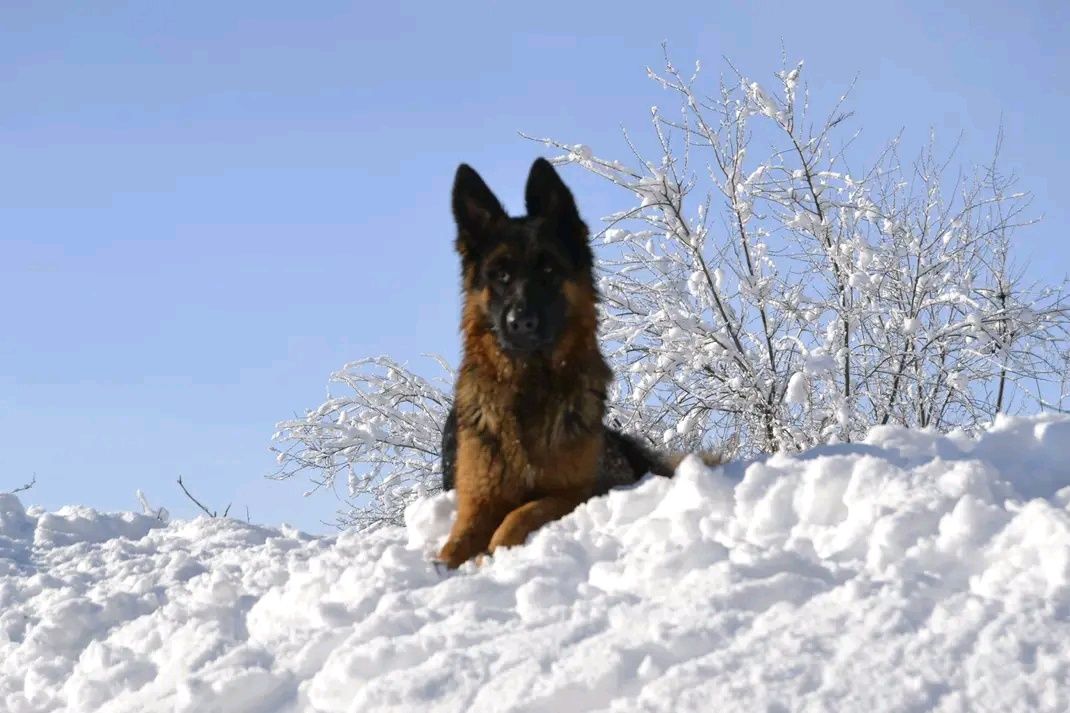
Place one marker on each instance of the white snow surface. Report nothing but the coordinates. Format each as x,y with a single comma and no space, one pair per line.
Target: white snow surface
911,572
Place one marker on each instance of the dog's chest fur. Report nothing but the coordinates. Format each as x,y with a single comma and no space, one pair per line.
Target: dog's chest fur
538,428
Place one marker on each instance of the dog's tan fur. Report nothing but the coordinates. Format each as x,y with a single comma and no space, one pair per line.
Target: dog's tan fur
529,436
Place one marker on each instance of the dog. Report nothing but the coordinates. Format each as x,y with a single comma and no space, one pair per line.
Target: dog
525,442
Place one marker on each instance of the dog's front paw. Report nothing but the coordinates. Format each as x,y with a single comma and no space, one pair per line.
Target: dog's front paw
455,553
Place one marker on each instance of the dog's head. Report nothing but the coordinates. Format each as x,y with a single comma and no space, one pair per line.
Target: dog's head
529,278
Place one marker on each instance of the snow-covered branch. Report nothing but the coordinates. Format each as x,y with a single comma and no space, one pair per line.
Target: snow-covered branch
382,434
778,299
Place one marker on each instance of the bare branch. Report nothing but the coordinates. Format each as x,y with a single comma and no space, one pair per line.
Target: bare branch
197,502
25,486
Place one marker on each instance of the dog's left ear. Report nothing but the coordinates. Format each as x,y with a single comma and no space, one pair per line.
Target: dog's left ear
547,196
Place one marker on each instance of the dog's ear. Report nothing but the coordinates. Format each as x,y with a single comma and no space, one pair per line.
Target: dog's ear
547,196
475,208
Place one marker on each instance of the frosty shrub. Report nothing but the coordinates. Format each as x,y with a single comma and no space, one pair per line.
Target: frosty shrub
758,295
382,435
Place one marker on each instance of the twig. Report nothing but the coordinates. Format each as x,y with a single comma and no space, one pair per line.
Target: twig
26,486
199,504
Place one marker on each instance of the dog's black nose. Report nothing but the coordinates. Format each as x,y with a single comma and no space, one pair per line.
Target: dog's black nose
521,322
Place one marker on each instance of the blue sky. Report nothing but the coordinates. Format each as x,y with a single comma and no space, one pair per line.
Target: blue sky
205,208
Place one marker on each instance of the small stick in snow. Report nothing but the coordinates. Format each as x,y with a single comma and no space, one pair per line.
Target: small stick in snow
25,487
199,504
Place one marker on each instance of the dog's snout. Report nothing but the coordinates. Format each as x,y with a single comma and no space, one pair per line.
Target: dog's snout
521,321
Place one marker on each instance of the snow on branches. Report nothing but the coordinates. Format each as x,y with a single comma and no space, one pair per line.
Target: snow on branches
758,301
382,436
780,300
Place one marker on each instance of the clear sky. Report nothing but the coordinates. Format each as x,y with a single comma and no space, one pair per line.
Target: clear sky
205,208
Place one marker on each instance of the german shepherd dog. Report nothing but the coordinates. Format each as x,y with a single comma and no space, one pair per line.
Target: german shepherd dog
524,443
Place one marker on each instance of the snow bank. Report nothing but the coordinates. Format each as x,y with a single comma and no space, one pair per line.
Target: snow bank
911,572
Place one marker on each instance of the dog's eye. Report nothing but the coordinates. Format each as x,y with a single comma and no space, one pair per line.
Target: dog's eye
548,269
501,275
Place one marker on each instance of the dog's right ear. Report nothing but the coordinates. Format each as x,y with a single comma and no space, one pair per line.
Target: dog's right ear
475,208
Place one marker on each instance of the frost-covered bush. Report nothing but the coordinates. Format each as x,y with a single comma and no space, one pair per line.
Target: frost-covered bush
382,435
759,294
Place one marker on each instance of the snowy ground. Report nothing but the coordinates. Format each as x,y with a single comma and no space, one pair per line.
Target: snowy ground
909,573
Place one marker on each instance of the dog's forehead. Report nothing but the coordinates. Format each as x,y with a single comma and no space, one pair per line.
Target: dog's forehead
524,231
525,238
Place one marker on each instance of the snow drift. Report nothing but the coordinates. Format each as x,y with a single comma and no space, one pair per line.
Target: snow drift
910,572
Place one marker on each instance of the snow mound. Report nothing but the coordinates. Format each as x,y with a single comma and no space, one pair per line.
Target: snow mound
910,572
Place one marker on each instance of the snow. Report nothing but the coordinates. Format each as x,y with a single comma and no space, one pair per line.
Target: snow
909,572
797,388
